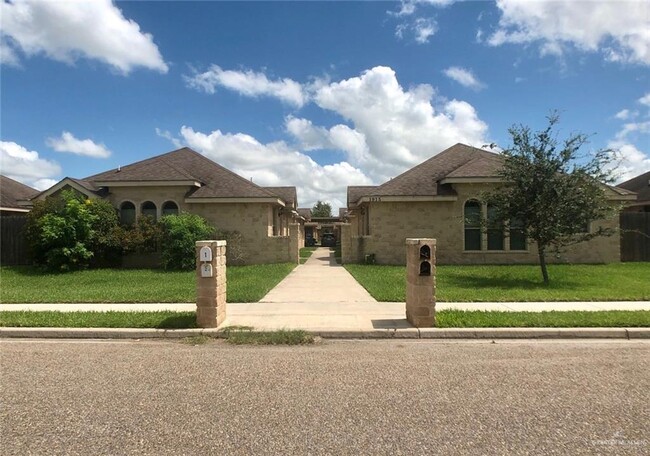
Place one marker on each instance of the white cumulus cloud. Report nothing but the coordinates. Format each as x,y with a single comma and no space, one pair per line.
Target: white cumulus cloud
400,127
464,77
645,99
384,129
86,147
248,83
67,30
26,166
276,164
620,30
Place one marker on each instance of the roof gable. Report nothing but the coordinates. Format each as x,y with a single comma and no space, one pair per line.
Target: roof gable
423,179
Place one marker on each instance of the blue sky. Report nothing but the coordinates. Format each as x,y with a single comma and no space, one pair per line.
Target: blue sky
319,95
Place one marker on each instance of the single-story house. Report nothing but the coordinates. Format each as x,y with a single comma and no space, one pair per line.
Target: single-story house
435,199
641,186
185,181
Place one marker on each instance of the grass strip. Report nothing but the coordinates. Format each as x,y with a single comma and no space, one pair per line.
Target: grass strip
552,319
29,285
512,283
279,337
110,319
446,319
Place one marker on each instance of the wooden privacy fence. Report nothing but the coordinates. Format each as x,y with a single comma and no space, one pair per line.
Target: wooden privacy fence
13,248
635,236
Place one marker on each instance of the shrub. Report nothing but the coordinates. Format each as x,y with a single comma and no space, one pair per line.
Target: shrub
179,236
143,237
65,231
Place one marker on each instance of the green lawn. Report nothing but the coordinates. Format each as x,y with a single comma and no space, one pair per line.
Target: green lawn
27,285
446,319
611,282
305,253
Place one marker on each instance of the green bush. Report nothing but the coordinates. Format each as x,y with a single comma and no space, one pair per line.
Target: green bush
143,237
65,232
179,236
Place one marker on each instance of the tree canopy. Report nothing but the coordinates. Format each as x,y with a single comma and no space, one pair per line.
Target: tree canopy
321,209
551,189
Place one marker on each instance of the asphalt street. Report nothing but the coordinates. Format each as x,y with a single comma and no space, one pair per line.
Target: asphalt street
336,397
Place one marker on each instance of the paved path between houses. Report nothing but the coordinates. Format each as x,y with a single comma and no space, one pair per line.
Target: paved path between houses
322,295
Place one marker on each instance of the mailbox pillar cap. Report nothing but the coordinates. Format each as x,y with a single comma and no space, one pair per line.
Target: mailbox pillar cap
211,243
417,241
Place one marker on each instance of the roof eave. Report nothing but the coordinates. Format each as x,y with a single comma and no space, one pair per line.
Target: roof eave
149,183
472,180
226,200
404,199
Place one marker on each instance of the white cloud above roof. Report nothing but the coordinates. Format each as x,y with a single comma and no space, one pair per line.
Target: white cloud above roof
618,30
276,164
26,166
68,30
384,130
86,147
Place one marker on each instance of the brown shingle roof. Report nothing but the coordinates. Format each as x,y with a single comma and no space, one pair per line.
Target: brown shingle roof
182,165
304,212
423,179
287,194
11,192
640,185
355,192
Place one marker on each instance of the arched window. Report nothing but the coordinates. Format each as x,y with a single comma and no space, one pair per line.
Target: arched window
517,235
495,230
127,213
473,236
148,209
169,208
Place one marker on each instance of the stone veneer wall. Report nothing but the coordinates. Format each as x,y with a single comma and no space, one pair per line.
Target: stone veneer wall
393,222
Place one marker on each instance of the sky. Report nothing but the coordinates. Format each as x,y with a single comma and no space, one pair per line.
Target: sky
319,95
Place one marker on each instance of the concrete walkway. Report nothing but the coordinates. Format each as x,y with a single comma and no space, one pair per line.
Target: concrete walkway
321,295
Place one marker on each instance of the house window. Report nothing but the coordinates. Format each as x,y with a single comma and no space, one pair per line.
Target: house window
472,225
127,213
518,239
169,208
495,232
148,209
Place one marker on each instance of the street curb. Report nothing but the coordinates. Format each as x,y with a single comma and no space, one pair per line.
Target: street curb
393,333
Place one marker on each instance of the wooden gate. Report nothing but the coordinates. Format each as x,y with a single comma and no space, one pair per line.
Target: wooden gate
635,236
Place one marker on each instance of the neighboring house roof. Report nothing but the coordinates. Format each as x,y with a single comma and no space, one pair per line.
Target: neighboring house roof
304,212
640,185
355,192
287,194
12,193
433,177
184,167
424,179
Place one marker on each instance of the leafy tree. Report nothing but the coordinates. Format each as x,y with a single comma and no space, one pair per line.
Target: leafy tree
321,209
551,190
179,236
69,231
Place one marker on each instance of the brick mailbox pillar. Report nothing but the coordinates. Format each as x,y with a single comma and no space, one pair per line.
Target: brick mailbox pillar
421,282
210,283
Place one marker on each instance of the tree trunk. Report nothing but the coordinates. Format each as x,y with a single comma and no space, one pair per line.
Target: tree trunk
542,262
